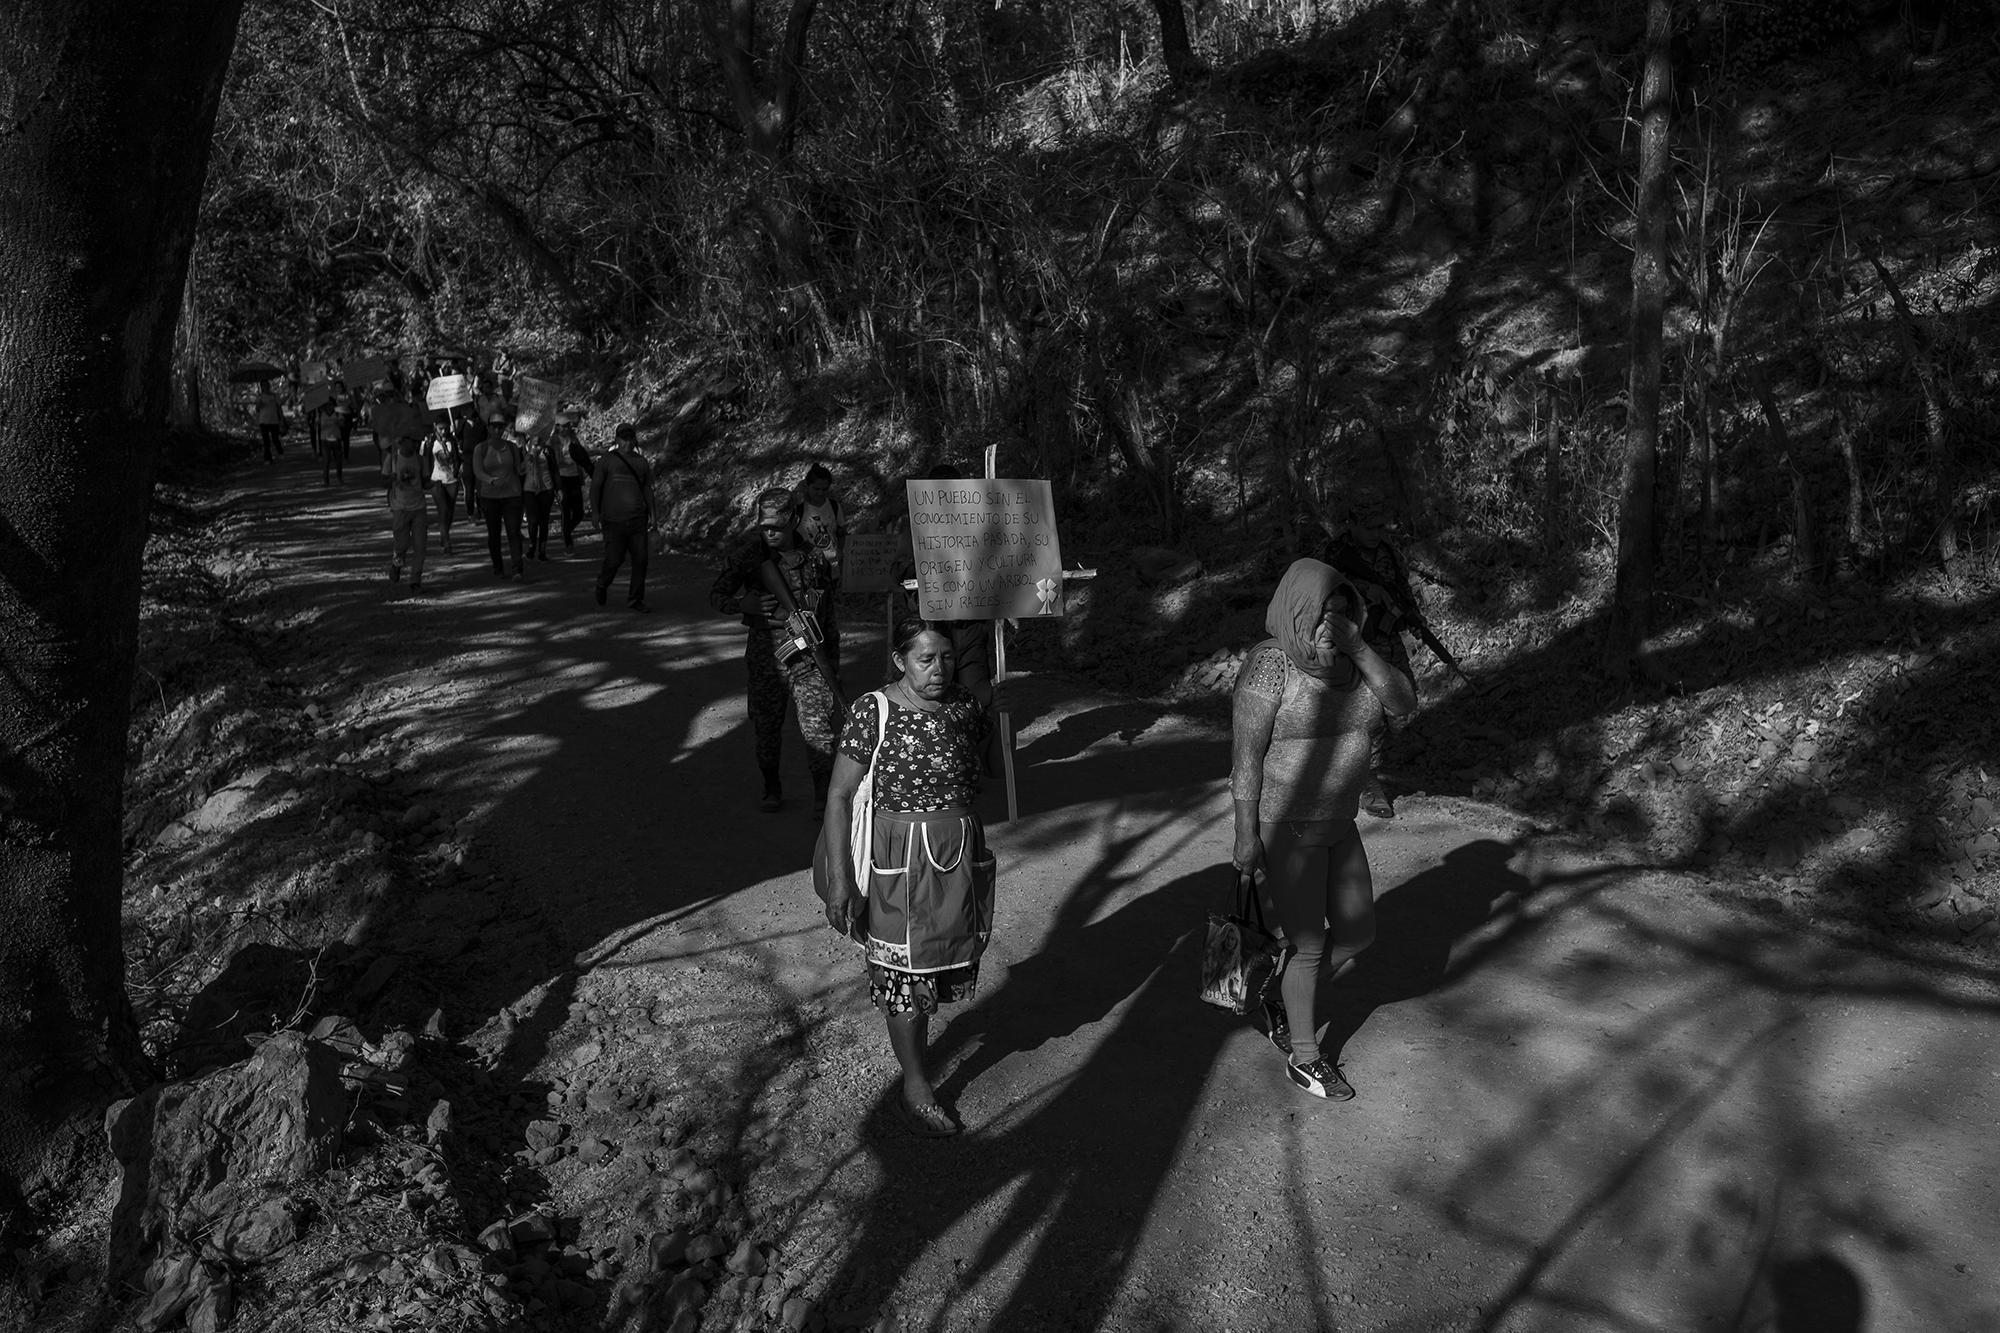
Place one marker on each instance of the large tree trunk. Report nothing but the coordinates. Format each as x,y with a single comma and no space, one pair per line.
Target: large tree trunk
1174,44
108,108
1631,612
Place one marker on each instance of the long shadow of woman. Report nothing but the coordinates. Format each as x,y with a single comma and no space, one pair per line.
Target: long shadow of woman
1418,924
1076,1157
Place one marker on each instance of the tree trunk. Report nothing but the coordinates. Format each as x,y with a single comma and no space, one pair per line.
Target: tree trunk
1631,612
108,109
184,410
1174,45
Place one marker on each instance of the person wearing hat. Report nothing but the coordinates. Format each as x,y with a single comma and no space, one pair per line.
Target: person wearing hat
573,465
498,463
781,675
621,494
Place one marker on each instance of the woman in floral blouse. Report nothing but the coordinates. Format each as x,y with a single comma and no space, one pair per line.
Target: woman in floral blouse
927,910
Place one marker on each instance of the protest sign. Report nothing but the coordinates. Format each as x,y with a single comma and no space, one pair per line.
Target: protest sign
365,370
448,391
312,372
985,549
874,561
535,405
316,396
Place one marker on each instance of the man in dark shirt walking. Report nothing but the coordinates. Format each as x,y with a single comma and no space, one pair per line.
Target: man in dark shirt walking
621,495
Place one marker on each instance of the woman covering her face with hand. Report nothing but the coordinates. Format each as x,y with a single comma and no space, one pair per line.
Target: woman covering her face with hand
927,910
1306,700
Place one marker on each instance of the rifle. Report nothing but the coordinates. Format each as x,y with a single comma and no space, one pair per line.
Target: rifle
803,627
1354,563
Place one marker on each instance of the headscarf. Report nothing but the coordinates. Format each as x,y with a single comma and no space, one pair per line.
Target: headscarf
1295,610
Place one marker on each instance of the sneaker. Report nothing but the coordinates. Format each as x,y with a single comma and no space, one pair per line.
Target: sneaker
1321,1078
639,606
1277,1027
600,590
1375,800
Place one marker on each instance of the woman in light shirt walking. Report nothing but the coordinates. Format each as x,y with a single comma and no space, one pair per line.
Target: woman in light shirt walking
1306,699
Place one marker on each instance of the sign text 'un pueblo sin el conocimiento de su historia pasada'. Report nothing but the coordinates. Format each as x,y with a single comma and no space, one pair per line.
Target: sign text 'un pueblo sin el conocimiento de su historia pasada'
985,548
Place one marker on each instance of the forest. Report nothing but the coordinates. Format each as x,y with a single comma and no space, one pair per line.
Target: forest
1661,336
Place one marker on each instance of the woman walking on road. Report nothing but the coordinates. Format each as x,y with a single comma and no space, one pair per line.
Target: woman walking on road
574,466
538,487
926,912
1306,700
403,473
498,463
443,454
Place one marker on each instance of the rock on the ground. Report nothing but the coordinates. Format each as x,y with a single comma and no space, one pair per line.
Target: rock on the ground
1157,564
205,1149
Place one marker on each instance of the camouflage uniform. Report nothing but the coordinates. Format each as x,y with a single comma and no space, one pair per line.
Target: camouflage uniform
776,685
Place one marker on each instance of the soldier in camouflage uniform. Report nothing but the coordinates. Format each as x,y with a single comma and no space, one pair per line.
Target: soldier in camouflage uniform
780,679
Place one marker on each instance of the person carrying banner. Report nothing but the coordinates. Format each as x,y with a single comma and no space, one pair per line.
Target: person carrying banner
1306,699
778,657
621,495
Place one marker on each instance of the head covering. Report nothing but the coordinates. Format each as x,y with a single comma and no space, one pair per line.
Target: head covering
773,508
1295,608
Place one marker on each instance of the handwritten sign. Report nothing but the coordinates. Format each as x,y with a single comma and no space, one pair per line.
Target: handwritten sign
365,370
312,372
874,561
985,549
535,405
318,396
448,391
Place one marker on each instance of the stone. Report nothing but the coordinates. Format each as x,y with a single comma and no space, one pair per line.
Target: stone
236,804
592,1150
529,1228
585,1054
197,1150
498,1238
375,978
254,1233
172,1290
438,1124
546,1133
796,1313
706,1246
446,1262
1157,564
601,1097
667,1248
214,1306
746,1259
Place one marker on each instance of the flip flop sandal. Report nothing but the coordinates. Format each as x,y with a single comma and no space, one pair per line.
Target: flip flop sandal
929,1122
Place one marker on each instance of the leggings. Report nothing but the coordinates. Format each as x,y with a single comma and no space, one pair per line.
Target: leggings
539,506
446,496
501,509
572,508
1325,899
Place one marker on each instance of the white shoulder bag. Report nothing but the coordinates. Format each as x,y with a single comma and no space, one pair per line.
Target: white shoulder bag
861,810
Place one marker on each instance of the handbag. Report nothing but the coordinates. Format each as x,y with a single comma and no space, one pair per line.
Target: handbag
861,809
1240,957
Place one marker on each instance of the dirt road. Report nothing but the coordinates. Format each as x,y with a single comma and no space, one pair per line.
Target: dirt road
1591,1096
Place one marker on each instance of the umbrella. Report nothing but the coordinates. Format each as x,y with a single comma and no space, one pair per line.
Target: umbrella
255,372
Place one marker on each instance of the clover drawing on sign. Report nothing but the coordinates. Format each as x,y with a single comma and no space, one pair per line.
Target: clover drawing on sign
1046,590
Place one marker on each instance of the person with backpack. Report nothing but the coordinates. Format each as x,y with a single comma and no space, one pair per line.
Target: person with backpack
498,463
822,524
621,495
785,672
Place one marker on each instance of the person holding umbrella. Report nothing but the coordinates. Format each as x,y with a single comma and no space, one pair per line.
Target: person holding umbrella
270,409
